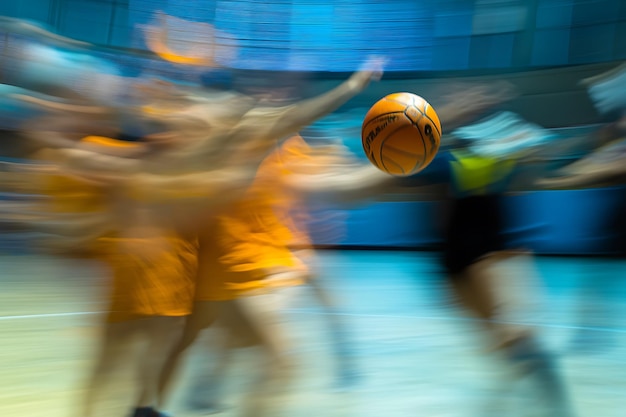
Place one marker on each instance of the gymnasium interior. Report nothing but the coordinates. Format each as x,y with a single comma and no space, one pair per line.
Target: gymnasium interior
415,351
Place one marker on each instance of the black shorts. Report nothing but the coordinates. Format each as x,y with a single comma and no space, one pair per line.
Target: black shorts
474,229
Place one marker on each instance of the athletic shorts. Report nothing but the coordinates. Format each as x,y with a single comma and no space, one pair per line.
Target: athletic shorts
474,229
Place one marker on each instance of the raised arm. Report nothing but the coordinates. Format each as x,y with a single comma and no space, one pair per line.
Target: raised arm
339,181
278,122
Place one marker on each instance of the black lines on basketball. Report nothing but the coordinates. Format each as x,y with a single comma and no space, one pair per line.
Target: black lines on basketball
394,154
398,136
413,114
432,121
415,157
401,151
382,116
391,161
369,136
382,146
423,144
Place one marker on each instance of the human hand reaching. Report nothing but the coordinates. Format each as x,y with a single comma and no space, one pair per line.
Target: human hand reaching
372,70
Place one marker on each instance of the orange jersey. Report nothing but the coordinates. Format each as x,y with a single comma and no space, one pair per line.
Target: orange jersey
74,195
71,195
161,284
252,238
152,276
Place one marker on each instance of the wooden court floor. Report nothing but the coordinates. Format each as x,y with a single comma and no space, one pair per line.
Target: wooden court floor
417,354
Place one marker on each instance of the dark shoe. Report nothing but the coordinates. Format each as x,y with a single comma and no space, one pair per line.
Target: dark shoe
148,412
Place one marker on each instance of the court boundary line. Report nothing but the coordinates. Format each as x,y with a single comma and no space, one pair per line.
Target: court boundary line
388,316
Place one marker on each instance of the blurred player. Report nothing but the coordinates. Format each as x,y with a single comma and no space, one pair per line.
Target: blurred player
247,264
474,245
156,196
153,275
150,198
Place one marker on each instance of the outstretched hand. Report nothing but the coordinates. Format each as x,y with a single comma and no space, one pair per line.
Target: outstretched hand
372,70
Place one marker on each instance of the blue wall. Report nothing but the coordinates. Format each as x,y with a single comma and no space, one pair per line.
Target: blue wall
548,222
336,35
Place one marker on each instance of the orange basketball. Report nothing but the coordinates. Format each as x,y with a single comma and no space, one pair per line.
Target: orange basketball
401,134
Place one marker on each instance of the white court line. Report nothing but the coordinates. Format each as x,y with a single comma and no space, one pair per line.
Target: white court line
39,316
387,316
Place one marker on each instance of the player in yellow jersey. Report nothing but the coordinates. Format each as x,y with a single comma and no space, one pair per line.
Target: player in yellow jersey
149,199
154,266
248,268
154,196
153,273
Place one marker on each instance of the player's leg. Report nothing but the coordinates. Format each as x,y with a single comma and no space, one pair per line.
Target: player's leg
346,367
203,315
473,288
231,332
262,313
116,349
520,345
161,334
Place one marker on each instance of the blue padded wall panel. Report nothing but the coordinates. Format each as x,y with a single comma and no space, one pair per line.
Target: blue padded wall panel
499,17
589,44
453,18
194,10
9,8
85,20
260,30
593,12
547,222
551,47
397,224
492,51
443,59
619,51
37,10
502,49
120,31
554,14
563,222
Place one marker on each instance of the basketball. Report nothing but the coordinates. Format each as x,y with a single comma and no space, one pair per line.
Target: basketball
401,134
